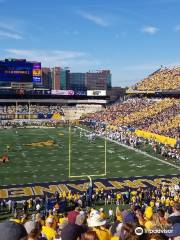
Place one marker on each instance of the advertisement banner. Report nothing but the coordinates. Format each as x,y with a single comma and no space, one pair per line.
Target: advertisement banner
80,93
96,92
62,92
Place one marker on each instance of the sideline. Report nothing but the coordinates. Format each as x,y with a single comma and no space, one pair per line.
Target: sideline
136,150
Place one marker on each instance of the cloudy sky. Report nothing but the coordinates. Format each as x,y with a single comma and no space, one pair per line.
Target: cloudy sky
132,38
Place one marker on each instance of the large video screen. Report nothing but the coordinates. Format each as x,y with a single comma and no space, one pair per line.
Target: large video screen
36,72
19,71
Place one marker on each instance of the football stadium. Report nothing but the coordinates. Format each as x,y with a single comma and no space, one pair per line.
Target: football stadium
70,149
89,120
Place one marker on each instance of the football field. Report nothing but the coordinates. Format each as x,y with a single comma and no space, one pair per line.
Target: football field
53,154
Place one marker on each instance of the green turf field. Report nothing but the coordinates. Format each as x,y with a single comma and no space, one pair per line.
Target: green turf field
42,155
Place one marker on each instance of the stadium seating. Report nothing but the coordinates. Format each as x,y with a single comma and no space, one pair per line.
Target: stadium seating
70,112
163,79
75,112
33,109
160,116
169,127
155,115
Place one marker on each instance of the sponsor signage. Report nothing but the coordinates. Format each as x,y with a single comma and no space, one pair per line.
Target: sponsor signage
96,92
62,92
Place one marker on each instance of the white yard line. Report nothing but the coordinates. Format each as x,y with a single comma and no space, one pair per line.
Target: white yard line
136,150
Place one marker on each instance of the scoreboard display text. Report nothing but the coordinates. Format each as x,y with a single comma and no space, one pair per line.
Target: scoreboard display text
20,71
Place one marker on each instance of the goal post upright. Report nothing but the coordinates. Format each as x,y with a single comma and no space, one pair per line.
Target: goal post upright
29,110
105,155
69,151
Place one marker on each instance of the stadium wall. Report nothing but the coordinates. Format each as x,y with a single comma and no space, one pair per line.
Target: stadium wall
156,137
150,135
27,191
56,100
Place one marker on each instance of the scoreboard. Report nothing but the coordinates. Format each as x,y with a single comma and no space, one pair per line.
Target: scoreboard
36,72
19,70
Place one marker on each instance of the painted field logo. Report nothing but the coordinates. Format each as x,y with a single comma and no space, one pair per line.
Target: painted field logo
26,191
48,143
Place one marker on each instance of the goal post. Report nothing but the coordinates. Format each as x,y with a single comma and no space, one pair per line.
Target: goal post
70,154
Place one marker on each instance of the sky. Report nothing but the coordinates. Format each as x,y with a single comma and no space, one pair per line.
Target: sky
132,38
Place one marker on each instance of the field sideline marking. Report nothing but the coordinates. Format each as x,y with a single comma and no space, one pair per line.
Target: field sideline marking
136,150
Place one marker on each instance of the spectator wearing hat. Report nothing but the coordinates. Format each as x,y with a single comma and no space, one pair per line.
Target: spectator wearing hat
29,226
97,224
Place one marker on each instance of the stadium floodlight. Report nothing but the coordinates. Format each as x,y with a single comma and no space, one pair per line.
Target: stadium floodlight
70,159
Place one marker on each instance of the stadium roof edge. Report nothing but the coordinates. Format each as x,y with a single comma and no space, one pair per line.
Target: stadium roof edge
131,91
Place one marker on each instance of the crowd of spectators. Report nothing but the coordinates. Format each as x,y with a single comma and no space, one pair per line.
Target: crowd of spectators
163,79
155,115
32,108
124,136
159,116
122,109
144,213
170,127
31,123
